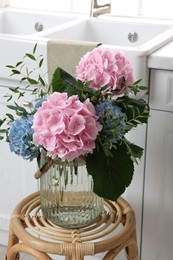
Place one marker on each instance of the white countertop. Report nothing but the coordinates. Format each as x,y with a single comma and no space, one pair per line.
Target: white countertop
162,58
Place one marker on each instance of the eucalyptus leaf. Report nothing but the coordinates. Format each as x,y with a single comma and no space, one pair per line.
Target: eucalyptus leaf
9,97
32,81
21,94
18,109
18,63
34,49
10,66
2,121
15,71
30,56
2,131
41,62
10,116
15,90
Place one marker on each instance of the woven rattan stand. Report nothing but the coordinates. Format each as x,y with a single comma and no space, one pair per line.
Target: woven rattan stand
30,232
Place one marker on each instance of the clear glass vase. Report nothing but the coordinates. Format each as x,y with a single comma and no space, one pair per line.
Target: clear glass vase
67,197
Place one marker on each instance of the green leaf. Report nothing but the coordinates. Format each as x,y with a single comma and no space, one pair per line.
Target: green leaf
22,79
134,151
41,80
137,82
32,81
34,49
143,88
2,121
18,63
21,94
18,109
9,97
56,84
2,131
30,56
10,66
137,111
88,83
15,71
41,62
10,116
111,175
15,90
63,82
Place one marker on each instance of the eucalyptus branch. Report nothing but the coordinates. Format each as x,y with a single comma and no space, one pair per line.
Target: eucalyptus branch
22,70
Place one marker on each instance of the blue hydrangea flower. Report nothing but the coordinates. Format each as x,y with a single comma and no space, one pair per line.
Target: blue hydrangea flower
39,102
20,138
112,119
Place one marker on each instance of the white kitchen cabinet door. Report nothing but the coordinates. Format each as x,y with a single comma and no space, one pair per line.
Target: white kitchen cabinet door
157,241
16,179
134,193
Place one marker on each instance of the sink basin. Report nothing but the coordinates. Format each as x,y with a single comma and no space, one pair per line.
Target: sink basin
137,37
21,29
16,22
133,34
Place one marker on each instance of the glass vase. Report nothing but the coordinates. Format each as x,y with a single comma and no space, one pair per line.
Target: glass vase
66,192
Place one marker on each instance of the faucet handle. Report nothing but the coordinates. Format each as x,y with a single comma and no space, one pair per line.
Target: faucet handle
97,5
97,9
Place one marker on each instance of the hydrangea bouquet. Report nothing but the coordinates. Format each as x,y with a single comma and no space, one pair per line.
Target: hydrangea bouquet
83,116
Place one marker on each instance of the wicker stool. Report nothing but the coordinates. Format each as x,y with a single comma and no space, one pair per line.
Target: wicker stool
31,233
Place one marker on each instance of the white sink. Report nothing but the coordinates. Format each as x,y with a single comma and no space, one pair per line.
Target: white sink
114,32
16,22
151,34
18,35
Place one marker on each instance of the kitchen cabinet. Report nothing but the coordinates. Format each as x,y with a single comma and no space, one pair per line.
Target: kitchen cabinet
157,232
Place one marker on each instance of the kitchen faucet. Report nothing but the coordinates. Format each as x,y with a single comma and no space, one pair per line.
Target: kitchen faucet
97,9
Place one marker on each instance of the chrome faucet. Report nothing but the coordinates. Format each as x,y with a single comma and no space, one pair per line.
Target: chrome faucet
97,9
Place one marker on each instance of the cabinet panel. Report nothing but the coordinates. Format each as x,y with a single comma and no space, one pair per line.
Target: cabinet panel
17,178
134,193
161,90
158,205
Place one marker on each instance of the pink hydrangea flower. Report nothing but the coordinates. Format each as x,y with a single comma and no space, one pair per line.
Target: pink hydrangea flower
105,67
66,127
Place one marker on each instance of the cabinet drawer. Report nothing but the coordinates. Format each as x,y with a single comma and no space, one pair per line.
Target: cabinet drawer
161,90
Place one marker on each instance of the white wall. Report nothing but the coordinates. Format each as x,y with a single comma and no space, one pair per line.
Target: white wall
148,8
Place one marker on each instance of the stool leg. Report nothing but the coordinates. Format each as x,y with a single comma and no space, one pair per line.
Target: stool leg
131,248
12,240
11,255
111,254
